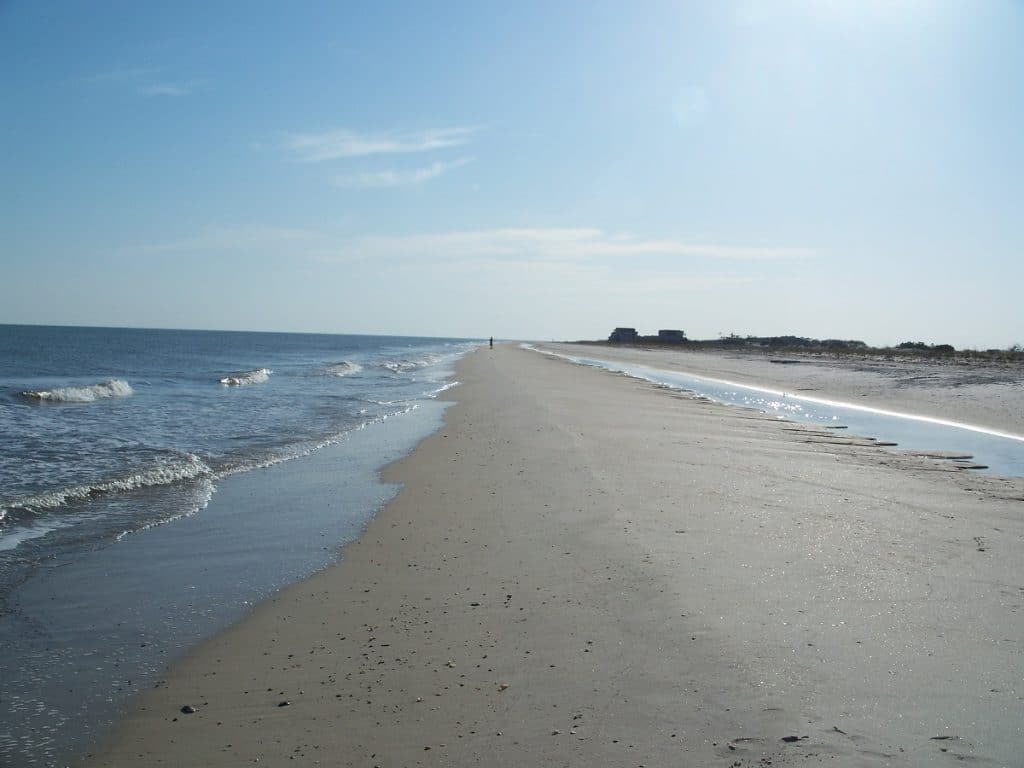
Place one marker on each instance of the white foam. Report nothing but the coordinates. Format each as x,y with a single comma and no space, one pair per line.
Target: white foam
444,388
161,474
344,368
202,500
404,365
86,394
244,378
401,366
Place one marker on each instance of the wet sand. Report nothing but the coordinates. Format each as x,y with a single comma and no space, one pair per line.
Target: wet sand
585,569
980,393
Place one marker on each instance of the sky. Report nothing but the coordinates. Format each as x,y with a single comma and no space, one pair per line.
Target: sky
532,170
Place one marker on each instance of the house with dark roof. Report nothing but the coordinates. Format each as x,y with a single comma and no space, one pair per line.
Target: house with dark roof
623,334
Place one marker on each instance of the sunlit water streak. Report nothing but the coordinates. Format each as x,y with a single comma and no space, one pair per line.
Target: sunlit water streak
996,451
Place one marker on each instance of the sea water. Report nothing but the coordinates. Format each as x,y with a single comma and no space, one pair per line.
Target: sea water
113,443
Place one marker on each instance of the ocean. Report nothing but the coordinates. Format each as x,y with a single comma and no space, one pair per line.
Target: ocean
141,504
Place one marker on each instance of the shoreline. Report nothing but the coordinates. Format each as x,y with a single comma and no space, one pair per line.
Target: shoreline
838,401
985,395
582,568
89,633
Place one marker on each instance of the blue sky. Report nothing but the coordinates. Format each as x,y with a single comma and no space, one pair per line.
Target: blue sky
843,168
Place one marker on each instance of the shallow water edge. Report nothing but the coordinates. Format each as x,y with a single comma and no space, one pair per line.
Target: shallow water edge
970,446
87,631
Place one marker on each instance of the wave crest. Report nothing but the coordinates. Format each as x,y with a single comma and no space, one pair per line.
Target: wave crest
243,378
86,394
162,473
443,388
343,368
404,365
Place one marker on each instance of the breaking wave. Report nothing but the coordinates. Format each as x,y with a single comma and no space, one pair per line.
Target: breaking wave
190,467
344,368
182,468
444,388
404,365
199,503
86,394
244,378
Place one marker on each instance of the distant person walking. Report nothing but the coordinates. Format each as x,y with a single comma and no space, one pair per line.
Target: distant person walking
492,342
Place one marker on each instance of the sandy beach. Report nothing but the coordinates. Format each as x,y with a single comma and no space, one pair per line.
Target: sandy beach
585,569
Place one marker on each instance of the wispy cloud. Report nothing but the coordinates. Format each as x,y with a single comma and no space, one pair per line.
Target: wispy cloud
608,275
341,144
535,245
119,75
559,244
145,81
390,177
229,239
166,89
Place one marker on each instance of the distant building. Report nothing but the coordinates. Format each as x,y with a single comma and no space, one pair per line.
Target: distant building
623,334
673,336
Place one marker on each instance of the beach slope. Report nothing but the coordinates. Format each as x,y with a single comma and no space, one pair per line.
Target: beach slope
586,569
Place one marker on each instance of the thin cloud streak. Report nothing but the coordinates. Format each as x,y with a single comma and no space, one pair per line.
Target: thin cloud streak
565,244
605,276
342,144
582,246
166,89
145,82
119,75
223,240
398,178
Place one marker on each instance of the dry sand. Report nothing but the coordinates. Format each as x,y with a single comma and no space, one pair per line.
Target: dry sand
584,569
